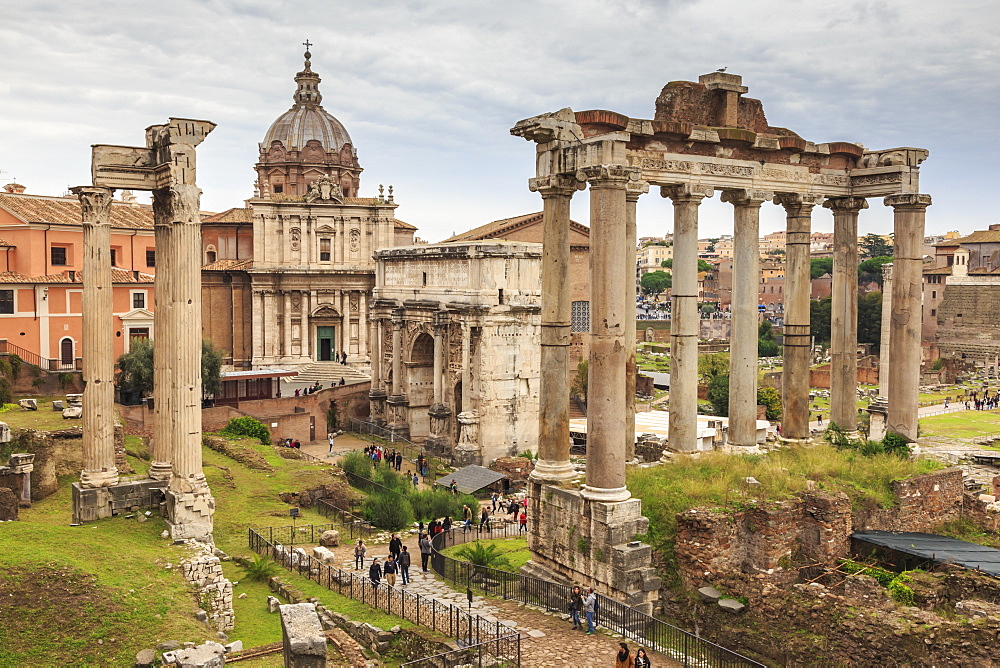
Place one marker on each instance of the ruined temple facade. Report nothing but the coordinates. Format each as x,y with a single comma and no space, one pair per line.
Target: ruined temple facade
456,345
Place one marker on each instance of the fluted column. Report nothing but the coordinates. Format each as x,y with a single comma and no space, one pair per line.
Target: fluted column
466,368
178,208
884,340
345,339
377,354
553,463
397,353
305,342
98,419
909,211
363,323
287,306
743,340
161,447
633,190
684,325
844,312
797,329
606,402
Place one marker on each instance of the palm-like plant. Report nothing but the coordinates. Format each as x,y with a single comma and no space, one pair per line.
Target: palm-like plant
483,555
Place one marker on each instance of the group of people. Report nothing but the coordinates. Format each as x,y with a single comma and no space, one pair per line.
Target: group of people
397,563
313,389
515,509
379,454
584,600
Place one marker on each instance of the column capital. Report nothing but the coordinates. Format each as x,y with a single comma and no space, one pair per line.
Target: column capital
179,203
555,185
908,200
686,192
850,204
95,204
608,176
746,197
633,189
441,320
797,200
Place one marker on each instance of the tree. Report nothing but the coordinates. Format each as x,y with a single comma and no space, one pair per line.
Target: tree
870,270
819,319
819,266
135,368
870,319
718,393
705,265
766,345
580,380
873,245
667,264
770,399
713,365
655,282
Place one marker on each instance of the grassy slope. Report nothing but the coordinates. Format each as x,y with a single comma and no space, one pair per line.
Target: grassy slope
118,555
963,424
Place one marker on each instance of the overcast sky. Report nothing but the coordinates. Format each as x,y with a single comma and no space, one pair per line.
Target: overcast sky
428,90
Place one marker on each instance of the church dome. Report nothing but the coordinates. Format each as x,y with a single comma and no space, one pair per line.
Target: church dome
307,120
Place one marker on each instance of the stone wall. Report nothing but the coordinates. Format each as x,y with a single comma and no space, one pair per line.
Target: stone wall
214,591
815,527
820,377
60,453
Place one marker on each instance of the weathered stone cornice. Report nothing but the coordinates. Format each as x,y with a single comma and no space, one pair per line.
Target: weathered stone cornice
853,204
686,192
913,200
746,197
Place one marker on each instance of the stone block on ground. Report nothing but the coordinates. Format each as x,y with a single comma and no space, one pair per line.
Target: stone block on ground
8,504
709,594
58,405
72,412
302,636
28,404
235,646
208,655
330,538
324,555
731,605
145,659
273,604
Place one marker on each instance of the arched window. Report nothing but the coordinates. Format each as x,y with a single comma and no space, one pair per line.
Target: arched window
66,352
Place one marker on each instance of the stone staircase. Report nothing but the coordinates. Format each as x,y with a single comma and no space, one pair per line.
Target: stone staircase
576,410
326,373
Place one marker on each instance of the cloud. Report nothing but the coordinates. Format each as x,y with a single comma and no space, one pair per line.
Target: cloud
428,90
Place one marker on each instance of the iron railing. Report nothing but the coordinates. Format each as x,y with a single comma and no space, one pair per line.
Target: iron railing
481,655
410,449
34,359
355,526
677,644
493,641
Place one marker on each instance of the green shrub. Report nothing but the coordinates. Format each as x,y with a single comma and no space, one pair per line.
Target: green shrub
391,480
896,444
6,395
900,591
260,568
528,454
852,567
433,504
15,363
7,407
358,463
248,427
391,512
481,554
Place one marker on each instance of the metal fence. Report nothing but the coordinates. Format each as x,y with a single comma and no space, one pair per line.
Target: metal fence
478,656
355,526
489,640
681,646
410,450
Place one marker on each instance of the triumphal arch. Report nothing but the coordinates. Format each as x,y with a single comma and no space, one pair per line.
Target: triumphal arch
705,137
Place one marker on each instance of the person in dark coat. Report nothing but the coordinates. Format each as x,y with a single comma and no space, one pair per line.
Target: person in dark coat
375,572
641,660
624,657
576,607
425,551
395,546
389,570
404,565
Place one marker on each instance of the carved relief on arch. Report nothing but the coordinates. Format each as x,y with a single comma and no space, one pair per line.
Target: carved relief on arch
295,238
355,240
325,311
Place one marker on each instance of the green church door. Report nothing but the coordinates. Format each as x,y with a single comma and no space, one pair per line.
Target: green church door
325,348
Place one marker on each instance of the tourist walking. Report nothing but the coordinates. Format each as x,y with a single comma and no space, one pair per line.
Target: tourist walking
641,660
589,607
523,521
624,657
416,481
359,555
425,551
404,565
375,573
389,570
484,520
395,546
576,607
494,499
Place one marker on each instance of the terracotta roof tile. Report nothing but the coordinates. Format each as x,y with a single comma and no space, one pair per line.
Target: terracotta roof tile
6,244
400,225
236,215
66,211
117,276
938,271
499,227
979,237
228,265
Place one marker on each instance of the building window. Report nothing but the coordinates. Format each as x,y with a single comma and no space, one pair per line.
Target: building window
58,256
150,258
6,301
279,188
324,250
933,311
114,257
580,317
138,300
933,294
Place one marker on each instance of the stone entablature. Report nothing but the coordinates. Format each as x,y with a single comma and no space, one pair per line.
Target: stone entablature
465,320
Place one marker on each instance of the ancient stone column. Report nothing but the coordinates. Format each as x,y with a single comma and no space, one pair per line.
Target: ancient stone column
161,447
99,468
609,309
397,402
909,211
797,336
844,312
305,343
684,321
743,340
377,393
633,190
439,413
884,340
553,463
363,325
287,306
189,500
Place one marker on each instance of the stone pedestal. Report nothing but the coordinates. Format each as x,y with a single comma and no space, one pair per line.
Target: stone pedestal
468,451
878,415
439,442
302,636
376,404
95,503
575,540
397,407
189,514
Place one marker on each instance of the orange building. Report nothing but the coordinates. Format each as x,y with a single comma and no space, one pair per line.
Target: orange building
41,278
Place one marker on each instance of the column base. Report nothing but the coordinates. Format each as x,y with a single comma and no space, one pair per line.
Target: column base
791,442
733,449
605,495
189,514
553,471
669,456
878,419
160,470
95,503
95,479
